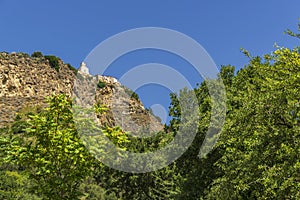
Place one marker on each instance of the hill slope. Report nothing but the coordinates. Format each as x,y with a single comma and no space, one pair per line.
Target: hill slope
26,81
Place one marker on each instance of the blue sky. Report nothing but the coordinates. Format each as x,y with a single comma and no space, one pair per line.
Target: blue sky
71,29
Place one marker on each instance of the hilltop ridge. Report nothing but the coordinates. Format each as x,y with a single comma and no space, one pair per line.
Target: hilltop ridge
27,80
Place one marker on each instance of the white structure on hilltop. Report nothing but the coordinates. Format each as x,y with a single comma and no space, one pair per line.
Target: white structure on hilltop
83,68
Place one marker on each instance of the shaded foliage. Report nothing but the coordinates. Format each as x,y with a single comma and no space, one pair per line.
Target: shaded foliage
53,61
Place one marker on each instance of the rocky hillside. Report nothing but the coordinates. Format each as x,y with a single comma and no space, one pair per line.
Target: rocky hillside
26,80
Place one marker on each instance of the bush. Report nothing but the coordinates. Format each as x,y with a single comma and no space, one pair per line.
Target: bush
53,61
22,55
72,68
135,96
37,54
131,93
101,84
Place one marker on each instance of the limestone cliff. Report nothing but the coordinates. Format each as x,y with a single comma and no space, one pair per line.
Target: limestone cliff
25,81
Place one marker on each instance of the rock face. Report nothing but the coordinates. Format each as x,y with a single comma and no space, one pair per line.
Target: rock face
124,107
26,81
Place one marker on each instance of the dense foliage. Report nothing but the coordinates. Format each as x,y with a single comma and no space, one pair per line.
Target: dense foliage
257,155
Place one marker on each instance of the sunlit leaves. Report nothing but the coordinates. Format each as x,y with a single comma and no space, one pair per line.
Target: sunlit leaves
56,157
261,135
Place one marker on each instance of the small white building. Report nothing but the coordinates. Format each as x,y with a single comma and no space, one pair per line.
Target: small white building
83,69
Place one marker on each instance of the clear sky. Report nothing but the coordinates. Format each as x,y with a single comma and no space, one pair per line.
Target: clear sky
71,29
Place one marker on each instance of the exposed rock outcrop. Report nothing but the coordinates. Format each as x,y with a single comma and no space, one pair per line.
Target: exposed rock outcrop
124,107
25,82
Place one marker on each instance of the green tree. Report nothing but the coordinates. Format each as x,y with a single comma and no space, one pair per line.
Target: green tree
160,184
198,173
54,154
261,139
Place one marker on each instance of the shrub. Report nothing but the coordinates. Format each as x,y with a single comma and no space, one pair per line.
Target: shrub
101,84
53,61
37,54
22,54
135,96
131,93
74,70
